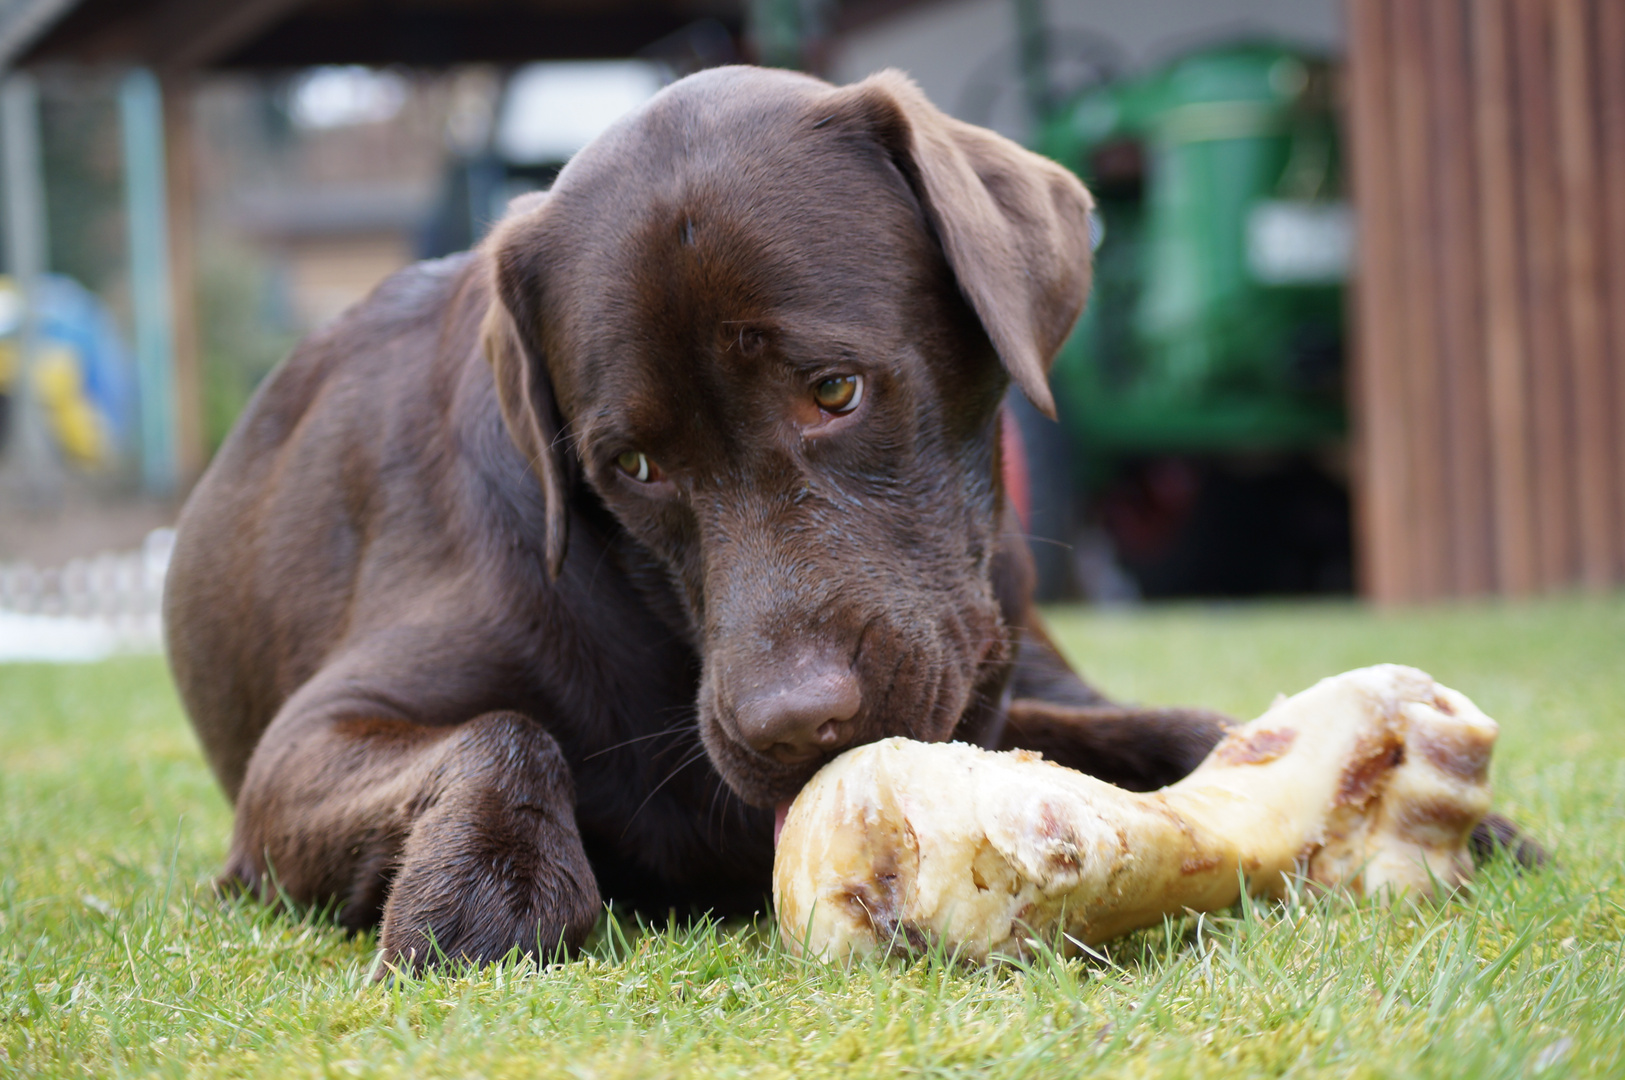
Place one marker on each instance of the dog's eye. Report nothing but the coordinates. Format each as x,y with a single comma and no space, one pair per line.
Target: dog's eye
636,464
839,394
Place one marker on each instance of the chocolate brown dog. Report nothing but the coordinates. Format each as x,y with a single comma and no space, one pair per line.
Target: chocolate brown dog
549,570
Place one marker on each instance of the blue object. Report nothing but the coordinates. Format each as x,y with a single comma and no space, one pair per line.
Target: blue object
68,317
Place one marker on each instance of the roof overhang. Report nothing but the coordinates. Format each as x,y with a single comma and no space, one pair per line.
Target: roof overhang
180,34
23,21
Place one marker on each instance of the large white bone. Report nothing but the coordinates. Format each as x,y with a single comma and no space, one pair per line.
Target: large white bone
1371,780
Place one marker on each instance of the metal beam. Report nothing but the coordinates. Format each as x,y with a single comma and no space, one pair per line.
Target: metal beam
26,255
432,34
195,33
23,21
141,117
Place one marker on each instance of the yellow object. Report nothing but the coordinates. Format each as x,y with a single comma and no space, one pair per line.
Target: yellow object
10,315
73,419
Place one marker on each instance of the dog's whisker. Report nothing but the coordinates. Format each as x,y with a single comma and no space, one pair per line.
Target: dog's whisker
720,810
592,580
1034,539
690,760
635,739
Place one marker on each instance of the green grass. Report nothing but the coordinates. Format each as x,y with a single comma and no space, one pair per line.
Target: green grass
117,959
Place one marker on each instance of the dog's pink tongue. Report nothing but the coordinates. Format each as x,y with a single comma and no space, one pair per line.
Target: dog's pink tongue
779,813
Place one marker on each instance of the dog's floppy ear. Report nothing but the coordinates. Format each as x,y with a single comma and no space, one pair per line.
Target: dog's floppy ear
511,341
1014,225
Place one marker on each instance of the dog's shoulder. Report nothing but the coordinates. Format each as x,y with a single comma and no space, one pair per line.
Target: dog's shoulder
422,294
378,346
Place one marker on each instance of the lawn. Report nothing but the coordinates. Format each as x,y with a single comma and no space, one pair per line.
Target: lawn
117,959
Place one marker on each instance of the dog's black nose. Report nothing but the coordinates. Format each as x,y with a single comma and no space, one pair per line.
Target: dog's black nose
802,717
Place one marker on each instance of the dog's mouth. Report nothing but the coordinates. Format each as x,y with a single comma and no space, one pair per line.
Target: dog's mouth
928,687
780,812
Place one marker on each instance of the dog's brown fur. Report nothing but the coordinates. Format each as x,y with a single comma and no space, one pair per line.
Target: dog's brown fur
460,672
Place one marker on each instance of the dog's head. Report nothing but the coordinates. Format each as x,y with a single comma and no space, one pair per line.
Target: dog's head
770,322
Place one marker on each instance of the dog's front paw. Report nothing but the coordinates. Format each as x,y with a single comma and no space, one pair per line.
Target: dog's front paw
493,861
475,888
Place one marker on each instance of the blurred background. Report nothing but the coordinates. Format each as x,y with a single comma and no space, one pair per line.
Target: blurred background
1358,323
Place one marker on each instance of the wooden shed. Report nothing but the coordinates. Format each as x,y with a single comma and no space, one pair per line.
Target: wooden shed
1488,138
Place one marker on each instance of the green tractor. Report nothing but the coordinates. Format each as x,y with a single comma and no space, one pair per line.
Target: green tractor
1201,395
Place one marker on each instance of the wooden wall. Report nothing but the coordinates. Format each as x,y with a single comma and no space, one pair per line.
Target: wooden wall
1488,143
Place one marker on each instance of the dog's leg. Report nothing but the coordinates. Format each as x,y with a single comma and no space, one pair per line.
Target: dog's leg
464,838
1143,748
1054,711
1133,747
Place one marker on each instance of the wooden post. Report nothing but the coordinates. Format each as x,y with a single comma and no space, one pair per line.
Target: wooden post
1463,412
1425,394
178,87
1505,355
1543,296
1380,429
1611,98
1590,409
